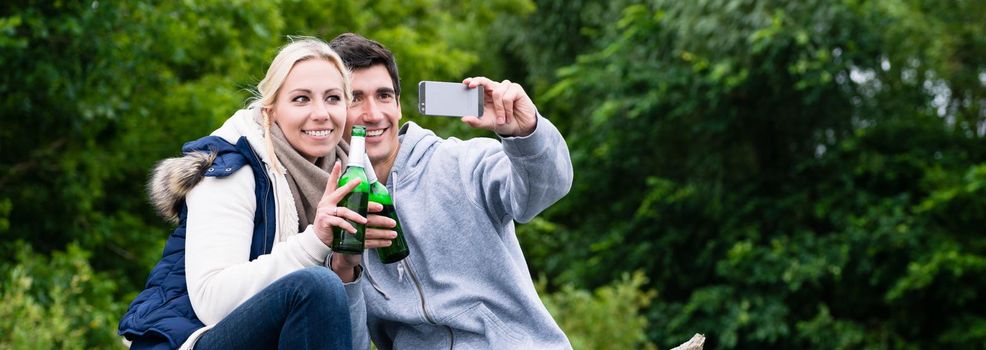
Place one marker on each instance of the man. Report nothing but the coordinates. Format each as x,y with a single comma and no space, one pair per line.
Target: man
466,282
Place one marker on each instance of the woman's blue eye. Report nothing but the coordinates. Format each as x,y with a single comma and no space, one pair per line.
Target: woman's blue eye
301,98
333,98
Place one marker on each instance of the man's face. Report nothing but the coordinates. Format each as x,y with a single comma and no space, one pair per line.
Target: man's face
375,105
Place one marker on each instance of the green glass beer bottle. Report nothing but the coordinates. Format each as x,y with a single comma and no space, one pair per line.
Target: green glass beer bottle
378,193
357,200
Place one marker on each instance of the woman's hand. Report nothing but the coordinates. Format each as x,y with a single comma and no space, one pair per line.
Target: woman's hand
328,215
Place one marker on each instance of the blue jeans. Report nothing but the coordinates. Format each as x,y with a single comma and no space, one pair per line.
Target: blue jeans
307,309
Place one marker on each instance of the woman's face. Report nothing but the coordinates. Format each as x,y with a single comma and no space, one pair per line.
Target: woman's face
310,108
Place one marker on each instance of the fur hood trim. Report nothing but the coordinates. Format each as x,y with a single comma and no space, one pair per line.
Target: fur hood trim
173,178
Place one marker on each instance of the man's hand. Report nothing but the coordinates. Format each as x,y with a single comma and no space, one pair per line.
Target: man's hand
344,265
507,110
379,228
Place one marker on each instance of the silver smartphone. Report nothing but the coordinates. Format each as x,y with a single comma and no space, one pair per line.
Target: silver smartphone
449,99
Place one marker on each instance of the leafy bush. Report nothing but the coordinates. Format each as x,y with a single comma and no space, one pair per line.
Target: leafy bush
789,174
609,318
56,302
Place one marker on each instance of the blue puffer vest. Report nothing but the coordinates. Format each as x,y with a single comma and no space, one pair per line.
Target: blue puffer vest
161,316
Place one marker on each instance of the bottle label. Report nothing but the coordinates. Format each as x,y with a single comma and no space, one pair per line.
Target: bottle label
357,151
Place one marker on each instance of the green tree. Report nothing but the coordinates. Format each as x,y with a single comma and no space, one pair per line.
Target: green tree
788,174
94,93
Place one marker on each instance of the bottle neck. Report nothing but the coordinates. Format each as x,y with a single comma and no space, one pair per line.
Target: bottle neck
357,151
368,166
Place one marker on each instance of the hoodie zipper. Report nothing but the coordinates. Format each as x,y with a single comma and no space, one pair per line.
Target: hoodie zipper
414,276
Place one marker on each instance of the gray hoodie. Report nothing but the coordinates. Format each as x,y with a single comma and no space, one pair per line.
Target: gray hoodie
465,284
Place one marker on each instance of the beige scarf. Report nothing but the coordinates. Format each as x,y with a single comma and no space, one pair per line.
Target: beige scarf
306,179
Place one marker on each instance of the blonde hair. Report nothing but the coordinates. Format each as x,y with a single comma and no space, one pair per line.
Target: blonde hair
301,48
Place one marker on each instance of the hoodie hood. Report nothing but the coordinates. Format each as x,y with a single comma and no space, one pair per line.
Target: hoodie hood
416,143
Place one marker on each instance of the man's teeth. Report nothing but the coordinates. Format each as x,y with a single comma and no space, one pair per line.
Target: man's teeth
318,133
370,133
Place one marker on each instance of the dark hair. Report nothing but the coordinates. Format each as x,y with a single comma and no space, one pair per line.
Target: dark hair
359,53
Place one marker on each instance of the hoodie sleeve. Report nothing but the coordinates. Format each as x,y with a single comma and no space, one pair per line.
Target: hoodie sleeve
357,308
357,315
218,270
521,178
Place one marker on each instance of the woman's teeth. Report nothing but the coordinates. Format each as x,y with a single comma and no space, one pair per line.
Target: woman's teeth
371,133
318,133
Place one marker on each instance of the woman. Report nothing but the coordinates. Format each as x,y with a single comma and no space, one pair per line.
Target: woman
255,204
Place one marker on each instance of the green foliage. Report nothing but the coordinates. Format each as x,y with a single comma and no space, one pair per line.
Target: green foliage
57,303
609,318
788,174
94,93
